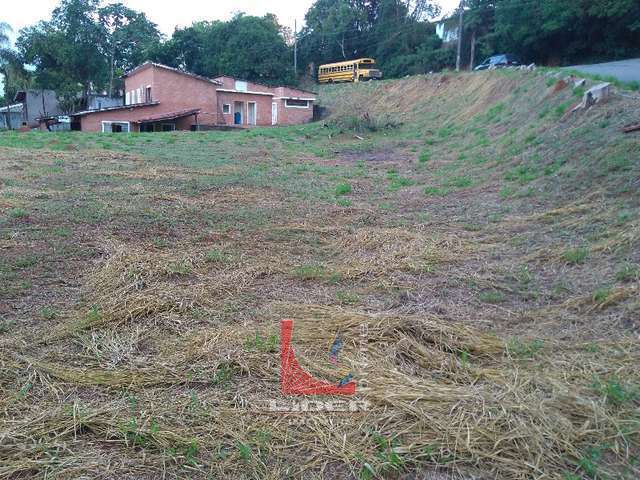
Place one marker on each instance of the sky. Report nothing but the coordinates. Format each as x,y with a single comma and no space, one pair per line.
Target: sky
169,14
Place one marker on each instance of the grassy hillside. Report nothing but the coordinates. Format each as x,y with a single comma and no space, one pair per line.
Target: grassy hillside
473,244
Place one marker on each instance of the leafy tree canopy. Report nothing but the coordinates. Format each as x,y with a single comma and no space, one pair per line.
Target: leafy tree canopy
247,47
84,46
554,31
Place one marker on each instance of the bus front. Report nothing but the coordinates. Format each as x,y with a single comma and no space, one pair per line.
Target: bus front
367,71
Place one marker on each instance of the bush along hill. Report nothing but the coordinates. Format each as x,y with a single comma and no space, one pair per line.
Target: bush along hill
465,247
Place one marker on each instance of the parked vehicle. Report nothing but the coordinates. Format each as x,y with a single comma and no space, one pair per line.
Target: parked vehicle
359,70
499,61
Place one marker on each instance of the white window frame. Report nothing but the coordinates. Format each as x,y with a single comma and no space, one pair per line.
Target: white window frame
286,103
172,125
241,86
128,99
227,107
111,122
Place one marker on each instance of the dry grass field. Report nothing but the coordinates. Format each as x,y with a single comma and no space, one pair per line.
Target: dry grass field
487,238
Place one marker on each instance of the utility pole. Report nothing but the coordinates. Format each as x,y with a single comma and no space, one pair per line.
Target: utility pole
295,47
472,60
460,26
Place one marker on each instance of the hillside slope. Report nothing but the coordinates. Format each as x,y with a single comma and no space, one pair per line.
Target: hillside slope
502,153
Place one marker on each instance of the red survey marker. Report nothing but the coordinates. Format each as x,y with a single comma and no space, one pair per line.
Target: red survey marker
294,380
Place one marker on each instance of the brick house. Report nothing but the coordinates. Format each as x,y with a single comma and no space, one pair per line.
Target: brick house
161,98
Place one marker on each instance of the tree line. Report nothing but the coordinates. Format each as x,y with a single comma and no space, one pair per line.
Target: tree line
551,32
88,44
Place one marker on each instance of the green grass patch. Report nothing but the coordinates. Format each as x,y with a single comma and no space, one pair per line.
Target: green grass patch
525,349
18,213
460,182
216,256
396,182
435,191
628,273
494,113
25,261
343,189
310,272
522,174
492,296
615,391
601,294
576,255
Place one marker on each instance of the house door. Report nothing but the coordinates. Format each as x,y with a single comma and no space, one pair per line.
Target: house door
237,113
251,113
274,113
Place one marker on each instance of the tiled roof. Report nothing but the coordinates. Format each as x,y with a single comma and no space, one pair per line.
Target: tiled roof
175,70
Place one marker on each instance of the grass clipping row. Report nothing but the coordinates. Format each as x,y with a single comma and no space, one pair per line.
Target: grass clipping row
439,394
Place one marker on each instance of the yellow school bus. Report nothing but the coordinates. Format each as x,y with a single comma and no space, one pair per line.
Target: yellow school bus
358,70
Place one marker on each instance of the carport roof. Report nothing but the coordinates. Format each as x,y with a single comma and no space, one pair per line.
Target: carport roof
119,107
168,116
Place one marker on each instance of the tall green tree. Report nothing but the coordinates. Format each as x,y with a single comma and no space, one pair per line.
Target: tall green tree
128,37
554,31
397,33
84,46
247,47
335,30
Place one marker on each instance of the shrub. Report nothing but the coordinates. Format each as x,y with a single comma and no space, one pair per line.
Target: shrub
366,122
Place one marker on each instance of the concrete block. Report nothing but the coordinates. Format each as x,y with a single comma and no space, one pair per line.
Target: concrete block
596,94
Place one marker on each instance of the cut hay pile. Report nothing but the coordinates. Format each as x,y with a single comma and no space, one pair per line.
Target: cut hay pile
439,395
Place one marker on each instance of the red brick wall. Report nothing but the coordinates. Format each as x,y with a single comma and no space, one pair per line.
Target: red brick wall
293,115
263,106
141,79
176,92
293,92
229,83
93,121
